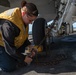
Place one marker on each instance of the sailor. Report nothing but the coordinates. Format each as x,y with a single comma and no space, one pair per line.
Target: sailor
14,35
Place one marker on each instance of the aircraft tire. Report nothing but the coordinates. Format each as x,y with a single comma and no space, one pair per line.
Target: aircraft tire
38,31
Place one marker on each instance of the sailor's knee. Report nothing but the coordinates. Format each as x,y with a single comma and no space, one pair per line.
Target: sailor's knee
8,69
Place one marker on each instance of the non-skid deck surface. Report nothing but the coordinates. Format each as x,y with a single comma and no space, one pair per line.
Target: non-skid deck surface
61,60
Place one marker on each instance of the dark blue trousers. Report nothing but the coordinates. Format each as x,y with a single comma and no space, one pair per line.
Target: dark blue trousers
7,63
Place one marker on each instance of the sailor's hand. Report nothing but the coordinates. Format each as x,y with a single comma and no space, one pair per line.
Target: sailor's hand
28,60
32,48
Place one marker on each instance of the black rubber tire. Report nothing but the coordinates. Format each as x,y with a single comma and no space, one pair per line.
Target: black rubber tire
38,31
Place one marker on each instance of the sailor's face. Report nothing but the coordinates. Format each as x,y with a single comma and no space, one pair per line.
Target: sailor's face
28,19
26,16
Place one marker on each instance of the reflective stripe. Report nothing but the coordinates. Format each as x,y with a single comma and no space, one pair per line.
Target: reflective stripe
9,12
